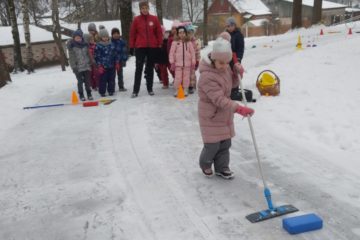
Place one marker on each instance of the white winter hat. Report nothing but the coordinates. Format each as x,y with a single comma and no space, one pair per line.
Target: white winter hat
221,50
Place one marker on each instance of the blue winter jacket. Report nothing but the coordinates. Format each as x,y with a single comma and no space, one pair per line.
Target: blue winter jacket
105,54
120,50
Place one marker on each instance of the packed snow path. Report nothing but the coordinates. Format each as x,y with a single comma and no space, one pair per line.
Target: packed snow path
129,170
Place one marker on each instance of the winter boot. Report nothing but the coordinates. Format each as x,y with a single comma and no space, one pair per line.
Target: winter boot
90,97
175,93
207,172
191,90
82,98
151,93
226,174
134,95
122,89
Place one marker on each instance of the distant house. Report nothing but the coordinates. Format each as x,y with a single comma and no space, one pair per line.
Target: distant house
331,12
43,45
242,10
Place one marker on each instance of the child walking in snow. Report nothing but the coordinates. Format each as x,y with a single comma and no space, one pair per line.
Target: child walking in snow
197,47
121,56
216,109
105,59
94,76
182,60
79,58
163,60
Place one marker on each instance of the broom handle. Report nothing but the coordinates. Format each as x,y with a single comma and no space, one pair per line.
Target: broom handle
266,189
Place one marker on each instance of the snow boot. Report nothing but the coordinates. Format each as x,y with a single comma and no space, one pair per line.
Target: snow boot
191,90
122,89
134,95
226,174
207,172
151,93
90,97
82,98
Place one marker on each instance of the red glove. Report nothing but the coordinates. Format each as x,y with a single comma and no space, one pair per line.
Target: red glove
196,65
101,69
117,67
239,68
245,111
172,68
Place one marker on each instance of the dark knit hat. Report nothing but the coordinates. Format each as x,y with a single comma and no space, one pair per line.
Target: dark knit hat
115,30
92,27
78,32
181,28
143,3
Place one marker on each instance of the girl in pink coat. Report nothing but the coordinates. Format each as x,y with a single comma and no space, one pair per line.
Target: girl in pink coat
216,109
182,60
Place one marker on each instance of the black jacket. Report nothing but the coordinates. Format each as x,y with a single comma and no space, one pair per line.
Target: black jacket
237,44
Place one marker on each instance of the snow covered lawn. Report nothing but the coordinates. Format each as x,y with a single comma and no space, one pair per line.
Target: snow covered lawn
129,170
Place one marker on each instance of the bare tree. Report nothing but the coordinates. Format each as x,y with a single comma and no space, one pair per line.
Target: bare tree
26,23
18,64
193,9
317,12
4,73
125,17
56,31
173,9
205,22
297,14
4,13
159,11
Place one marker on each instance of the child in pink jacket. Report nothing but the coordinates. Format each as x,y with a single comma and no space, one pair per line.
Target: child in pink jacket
216,109
182,60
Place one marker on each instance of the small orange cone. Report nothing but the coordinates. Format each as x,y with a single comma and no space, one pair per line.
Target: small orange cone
350,32
74,98
321,32
181,94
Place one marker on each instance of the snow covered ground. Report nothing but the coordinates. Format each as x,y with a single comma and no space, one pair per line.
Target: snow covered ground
129,170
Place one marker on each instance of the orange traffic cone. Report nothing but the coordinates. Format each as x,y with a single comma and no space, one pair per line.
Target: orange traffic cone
350,32
181,94
74,98
321,32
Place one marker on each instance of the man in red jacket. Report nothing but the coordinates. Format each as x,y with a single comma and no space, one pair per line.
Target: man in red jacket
145,40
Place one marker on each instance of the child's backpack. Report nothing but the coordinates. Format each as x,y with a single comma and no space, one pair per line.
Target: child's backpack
237,95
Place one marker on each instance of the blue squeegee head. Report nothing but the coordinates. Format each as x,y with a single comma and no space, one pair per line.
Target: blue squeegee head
268,214
303,223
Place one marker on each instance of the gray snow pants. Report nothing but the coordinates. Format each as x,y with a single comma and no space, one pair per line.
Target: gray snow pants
217,153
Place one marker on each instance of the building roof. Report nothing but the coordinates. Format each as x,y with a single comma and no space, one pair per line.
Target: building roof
325,4
254,7
37,35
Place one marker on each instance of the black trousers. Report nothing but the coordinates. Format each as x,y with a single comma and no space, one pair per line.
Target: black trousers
148,56
83,79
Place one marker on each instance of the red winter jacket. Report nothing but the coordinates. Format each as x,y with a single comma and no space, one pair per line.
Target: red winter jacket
145,32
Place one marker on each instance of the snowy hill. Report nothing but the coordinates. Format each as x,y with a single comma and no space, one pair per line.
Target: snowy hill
129,170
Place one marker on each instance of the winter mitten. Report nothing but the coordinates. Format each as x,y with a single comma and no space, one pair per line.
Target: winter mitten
245,111
123,64
117,66
75,71
101,69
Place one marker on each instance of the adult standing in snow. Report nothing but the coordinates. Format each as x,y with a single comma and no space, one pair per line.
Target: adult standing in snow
216,109
145,42
237,47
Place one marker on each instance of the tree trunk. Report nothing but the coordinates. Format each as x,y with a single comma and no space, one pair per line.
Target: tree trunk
18,65
4,73
106,12
317,11
26,22
126,18
205,22
159,11
297,14
56,31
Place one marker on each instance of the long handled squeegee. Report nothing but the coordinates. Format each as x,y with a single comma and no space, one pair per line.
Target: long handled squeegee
272,211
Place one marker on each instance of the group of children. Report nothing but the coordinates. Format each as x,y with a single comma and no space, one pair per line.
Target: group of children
180,55
96,59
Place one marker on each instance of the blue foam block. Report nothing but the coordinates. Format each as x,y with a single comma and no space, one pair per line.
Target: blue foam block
303,223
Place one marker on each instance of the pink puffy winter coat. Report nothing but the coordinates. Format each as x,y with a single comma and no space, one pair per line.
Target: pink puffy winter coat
215,108
182,54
